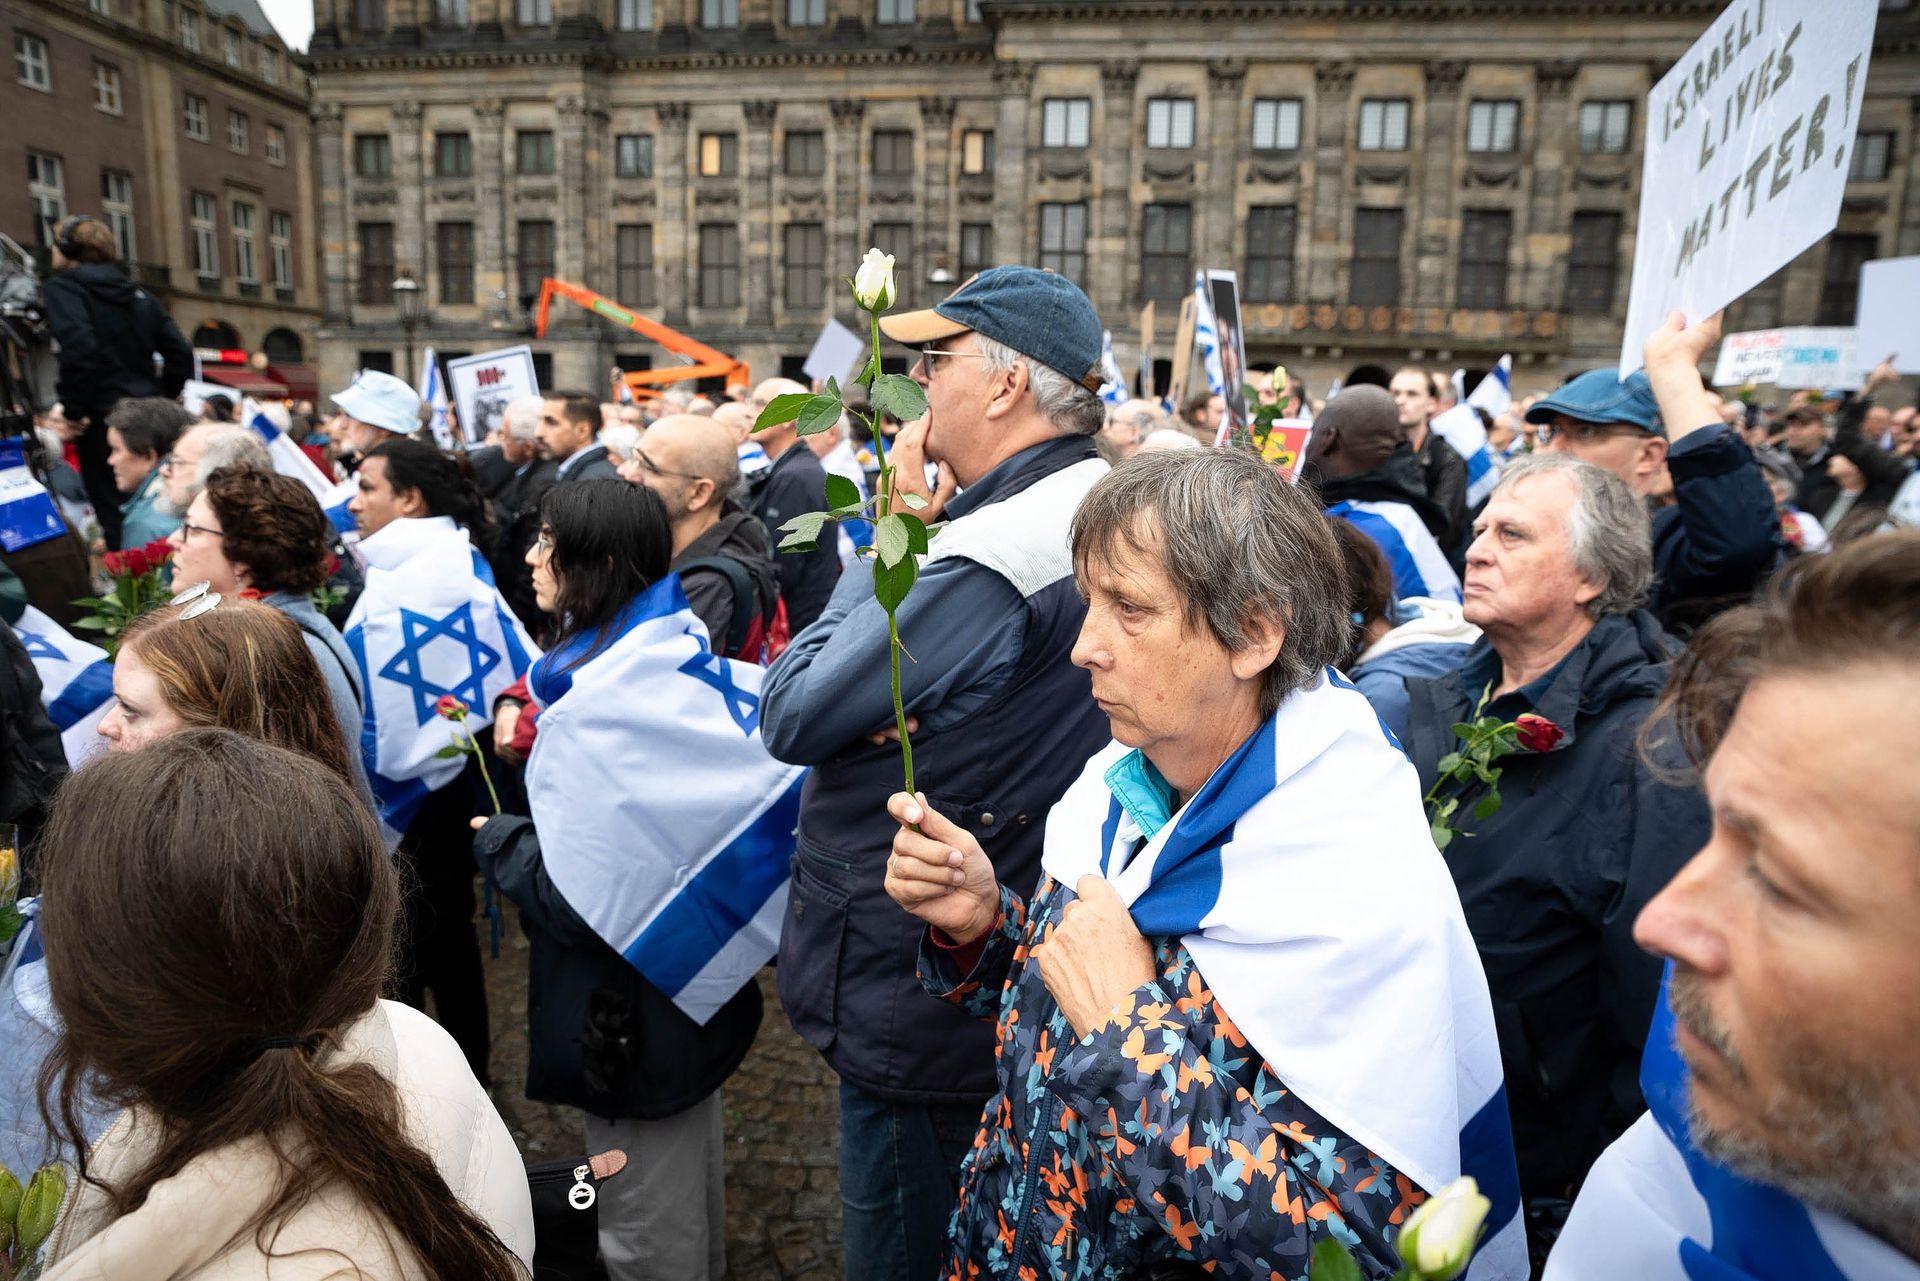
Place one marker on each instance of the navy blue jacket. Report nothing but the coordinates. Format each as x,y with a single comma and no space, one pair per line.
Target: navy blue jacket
1715,546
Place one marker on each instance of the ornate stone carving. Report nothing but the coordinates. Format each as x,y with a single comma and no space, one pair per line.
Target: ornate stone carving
373,196
1065,165
937,112
1167,170
1601,180
761,111
976,195
1488,176
1012,78
710,194
453,195
892,195
1382,175
406,113
672,115
804,195
847,111
643,199
536,196
490,110
1258,172
328,116
1333,77
1119,76
1226,74
1445,76
1555,79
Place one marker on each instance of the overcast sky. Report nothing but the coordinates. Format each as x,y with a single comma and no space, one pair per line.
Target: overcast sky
293,19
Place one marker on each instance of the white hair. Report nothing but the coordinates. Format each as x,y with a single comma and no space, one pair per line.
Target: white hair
1168,438
521,419
1068,405
621,439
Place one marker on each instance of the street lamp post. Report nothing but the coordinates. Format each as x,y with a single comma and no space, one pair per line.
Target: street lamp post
406,299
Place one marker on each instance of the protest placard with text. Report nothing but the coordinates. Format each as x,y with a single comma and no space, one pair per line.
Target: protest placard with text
1748,141
484,385
1798,357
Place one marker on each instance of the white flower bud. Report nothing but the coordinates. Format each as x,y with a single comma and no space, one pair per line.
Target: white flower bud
1440,1237
873,284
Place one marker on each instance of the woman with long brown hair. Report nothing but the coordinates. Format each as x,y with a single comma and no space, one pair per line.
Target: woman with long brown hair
279,1117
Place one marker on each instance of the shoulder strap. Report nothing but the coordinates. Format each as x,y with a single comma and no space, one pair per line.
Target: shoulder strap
745,608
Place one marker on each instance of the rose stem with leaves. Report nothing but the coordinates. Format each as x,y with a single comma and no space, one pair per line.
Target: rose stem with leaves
885,507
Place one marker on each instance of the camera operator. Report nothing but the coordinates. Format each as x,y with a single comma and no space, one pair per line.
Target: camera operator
109,330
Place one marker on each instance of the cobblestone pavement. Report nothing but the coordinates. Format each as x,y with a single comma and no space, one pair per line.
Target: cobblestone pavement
783,1128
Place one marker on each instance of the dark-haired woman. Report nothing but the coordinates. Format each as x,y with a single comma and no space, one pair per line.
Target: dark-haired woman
602,1036
428,625
281,1120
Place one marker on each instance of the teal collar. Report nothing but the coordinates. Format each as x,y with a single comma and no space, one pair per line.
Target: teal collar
1148,799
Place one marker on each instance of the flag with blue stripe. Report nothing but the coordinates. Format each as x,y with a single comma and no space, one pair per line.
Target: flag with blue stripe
1206,336
1495,392
428,623
1419,567
27,513
662,818
334,503
76,681
1461,427
1303,880
433,394
1114,389
1656,1208
288,458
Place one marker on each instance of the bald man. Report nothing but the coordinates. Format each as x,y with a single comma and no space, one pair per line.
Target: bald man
795,484
689,460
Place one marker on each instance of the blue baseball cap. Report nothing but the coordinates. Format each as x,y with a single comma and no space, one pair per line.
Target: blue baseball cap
380,400
1600,396
1040,314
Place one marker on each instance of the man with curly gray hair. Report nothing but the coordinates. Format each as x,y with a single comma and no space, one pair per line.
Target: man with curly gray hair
1585,830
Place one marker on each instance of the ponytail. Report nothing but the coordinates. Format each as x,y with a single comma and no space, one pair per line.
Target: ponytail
444,483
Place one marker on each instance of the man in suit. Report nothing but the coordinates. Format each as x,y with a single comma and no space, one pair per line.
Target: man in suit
569,421
523,479
796,484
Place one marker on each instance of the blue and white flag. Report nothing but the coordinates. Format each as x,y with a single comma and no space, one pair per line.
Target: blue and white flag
334,503
1206,336
1495,392
662,818
1461,427
433,394
27,513
428,623
288,458
1655,1208
76,682
1114,389
1419,567
1303,880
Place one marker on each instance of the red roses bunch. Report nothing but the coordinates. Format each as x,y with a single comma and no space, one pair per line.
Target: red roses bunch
138,582
139,561
1483,741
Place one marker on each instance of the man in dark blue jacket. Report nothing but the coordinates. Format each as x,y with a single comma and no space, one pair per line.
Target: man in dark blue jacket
1010,363
1719,539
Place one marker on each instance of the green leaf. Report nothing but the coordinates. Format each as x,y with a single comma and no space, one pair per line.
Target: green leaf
865,376
842,492
1462,730
900,396
914,501
808,524
1489,806
1448,806
782,409
450,751
1331,1262
1449,762
891,583
798,543
891,539
916,533
1442,835
820,414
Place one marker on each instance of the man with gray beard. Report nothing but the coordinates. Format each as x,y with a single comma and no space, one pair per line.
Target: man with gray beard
202,450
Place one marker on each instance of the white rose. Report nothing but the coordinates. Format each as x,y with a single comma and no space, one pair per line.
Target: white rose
873,283
1440,1237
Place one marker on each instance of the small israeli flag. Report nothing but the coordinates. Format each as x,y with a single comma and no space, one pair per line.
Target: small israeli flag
1461,427
1419,567
27,513
662,818
1114,389
433,394
76,682
1495,392
1206,336
288,458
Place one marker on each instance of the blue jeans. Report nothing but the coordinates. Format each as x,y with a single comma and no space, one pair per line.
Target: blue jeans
899,1174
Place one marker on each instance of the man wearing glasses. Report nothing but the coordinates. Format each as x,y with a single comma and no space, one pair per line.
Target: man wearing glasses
1717,540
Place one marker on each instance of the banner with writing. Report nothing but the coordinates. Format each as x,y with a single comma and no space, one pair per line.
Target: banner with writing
484,385
1748,142
1800,357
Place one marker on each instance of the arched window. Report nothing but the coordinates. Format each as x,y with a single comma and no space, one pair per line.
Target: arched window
216,333
282,347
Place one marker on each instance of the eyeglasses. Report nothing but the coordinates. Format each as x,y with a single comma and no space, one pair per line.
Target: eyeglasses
189,528
1578,433
647,465
198,599
931,353
543,542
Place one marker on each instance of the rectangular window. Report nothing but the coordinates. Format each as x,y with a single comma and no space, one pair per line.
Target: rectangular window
533,151
1872,154
1066,122
634,15
976,151
1170,123
1840,290
894,12
206,245
1493,128
976,248
450,13
453,250
370,16
633,155
372,156
1375,278
806,265
47,192
275,146
896,239
1166,252
270,65
533,13
719,155
1270,235
1604,127
1485,235
1276,124
1593,263
1063,240
106,88
196,118
452,155
30,62
718,14
376,264
805,154
719,264
1383,124
892,153
230,46
280,248
237,132
806,13
243,229
533,243
189,30
633,264
116,202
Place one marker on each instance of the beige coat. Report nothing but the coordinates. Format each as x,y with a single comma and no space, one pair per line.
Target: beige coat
190,1225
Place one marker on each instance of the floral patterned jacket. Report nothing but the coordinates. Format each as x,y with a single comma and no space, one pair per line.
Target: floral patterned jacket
1158,1136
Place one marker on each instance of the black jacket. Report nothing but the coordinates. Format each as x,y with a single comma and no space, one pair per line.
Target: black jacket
599,1036
108,329
1718,542
1551,884
516,523
738,535
797,484
1883,472
1443,472
592,465
33,763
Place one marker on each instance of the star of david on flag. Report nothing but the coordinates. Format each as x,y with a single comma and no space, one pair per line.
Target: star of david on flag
76,681
407,666
710,669
38,646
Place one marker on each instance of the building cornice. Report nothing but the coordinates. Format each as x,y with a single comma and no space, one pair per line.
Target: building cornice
607,54
998,11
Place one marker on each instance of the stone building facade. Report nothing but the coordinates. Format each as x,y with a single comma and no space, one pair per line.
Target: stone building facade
1447,179
184,125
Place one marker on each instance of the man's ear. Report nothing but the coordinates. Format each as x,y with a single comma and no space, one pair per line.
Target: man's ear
411,503
1653,456
1007,389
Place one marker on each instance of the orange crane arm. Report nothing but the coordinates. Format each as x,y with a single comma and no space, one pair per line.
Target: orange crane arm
707,361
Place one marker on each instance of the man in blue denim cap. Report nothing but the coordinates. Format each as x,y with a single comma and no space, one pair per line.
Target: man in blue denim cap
1660,430
1005,722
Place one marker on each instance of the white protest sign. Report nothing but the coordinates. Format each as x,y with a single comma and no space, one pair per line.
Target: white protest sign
1748,140
1888,322
193,396
1800,357
834,352
1752,357
484,385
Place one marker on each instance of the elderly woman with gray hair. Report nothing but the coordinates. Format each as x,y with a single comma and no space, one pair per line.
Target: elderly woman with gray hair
1586,830
1241,1012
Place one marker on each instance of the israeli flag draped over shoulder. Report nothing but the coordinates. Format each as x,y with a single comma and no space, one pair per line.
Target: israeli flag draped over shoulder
76,681
1655,1208
662,818
428,623
1303,880
1419,567
288,458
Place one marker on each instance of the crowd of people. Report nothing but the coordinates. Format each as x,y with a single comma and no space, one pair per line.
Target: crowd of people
1284,850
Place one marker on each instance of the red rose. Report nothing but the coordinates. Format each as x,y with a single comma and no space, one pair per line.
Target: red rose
450,707
1537,733
137,561
159,552
116,563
